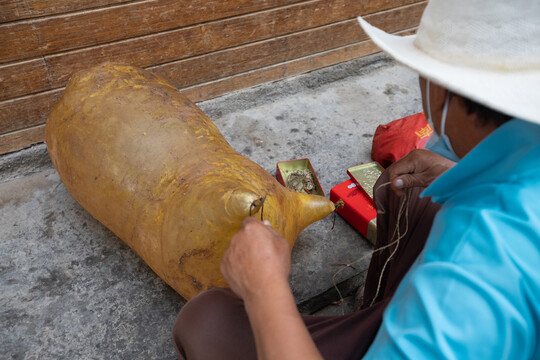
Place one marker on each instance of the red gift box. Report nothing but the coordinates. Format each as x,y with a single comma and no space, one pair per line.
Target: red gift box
358,210
396,139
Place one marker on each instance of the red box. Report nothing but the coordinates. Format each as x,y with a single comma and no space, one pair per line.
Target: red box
358,209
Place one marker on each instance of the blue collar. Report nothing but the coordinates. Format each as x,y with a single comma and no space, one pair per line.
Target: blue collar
511,152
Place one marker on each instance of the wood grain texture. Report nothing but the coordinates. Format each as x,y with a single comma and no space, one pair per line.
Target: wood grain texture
26,39
204,39
279,71
29,111
204,47
21,139
213,66
24,78
13,10
219,87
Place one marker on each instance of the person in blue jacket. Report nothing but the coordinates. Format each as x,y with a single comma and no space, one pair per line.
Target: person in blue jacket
456,269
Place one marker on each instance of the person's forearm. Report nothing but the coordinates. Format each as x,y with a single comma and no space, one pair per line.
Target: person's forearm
279,330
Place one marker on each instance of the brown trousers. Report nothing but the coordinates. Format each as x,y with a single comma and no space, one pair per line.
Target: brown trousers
214,324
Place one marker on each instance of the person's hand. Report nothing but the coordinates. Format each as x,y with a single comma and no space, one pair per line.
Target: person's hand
257,260
256,266
419,168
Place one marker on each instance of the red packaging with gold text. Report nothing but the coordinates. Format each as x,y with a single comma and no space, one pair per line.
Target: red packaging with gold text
396,139
358,210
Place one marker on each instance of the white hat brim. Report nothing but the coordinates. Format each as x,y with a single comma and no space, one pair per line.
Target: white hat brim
513,93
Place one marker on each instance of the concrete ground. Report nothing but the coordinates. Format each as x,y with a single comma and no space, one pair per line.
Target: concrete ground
70,289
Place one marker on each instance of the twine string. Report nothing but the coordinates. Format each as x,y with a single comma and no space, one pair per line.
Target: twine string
262,207
403,210
256,203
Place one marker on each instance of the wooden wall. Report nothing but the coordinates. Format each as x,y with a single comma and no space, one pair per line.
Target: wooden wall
205,47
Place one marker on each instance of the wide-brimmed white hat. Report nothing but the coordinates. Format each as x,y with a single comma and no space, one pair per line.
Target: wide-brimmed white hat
485,50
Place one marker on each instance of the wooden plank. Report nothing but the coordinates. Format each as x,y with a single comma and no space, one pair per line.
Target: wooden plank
216,88
13,10
21,139
26,39
24,138
23,78
188,42
18,114
183,43
213,66
248,57
279,71
27,111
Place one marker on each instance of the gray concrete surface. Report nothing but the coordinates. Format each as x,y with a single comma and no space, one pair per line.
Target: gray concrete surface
71,289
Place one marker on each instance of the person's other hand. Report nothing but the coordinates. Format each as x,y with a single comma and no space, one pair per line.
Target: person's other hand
419,168
257,259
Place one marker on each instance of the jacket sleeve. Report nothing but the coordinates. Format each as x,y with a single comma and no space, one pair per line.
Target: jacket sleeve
466,297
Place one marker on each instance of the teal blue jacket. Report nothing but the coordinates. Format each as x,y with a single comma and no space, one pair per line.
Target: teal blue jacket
474,292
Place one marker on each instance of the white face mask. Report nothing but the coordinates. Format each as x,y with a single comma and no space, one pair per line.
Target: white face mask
440,144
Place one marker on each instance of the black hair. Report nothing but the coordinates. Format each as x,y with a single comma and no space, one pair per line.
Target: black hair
484,115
